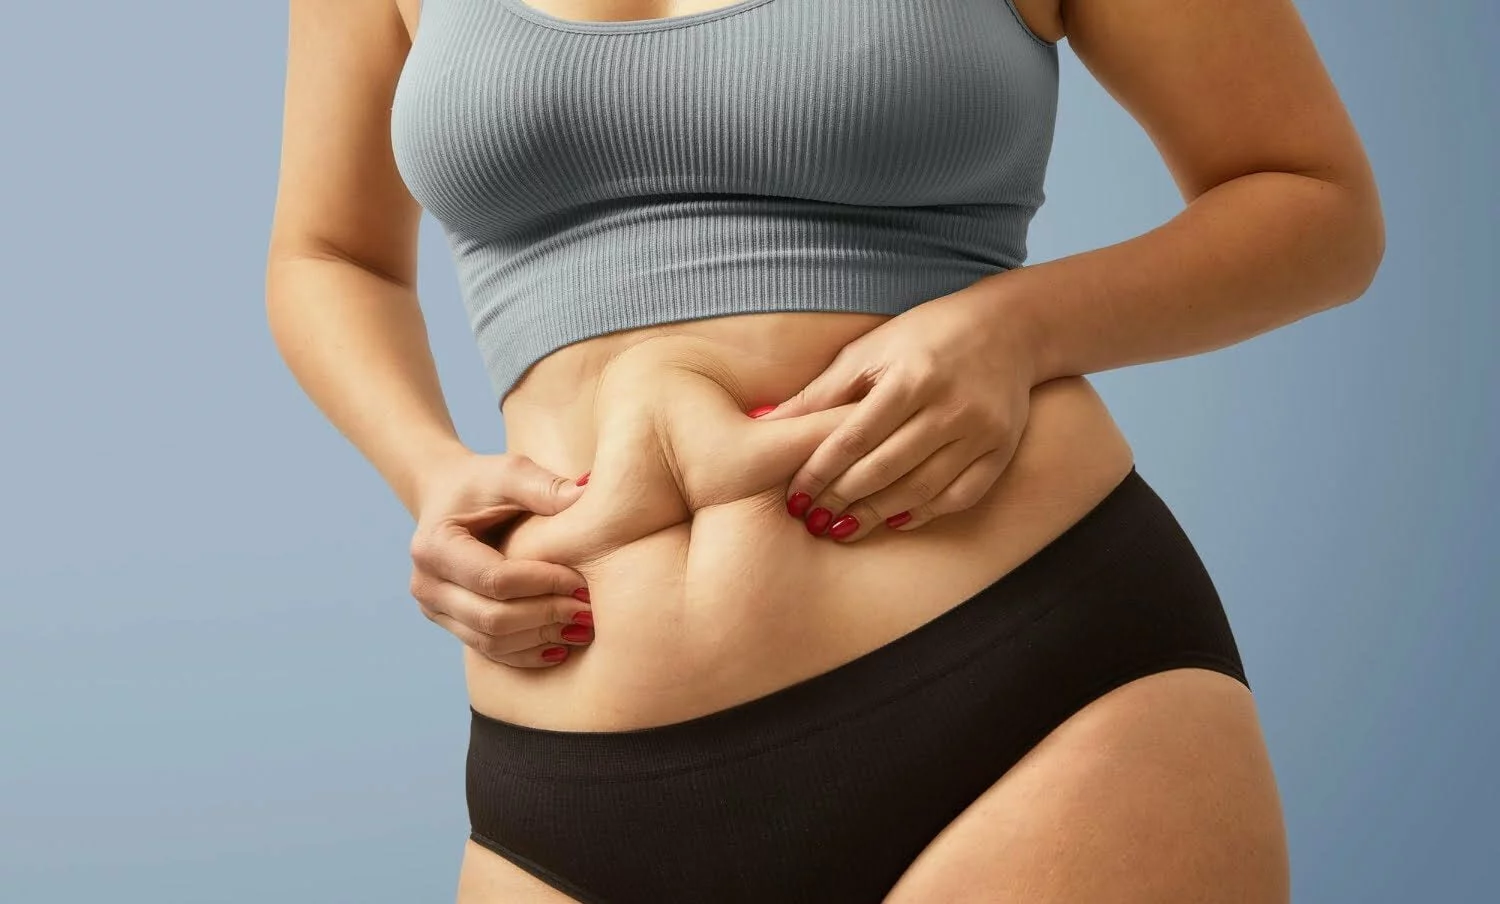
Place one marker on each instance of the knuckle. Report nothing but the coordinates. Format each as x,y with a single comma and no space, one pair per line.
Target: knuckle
954,413
853,439
922,367
492,621
945,503
881,471
424,550
492,581
921,488
418,585
995,423
949,503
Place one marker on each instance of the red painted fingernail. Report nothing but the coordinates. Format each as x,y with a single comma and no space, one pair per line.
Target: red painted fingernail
797,505
898,519
555,654
584,618
577,633
581,594
817,521
762,411
843,527
584,480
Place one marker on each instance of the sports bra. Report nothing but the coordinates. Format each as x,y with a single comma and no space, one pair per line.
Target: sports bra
768,155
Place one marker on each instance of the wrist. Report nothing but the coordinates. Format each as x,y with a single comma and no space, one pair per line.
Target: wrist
426,468
1019,330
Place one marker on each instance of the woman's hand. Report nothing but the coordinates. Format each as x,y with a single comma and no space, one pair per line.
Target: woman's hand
944,391
515,612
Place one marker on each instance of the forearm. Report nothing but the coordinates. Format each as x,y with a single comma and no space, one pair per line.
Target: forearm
357,344
1250,255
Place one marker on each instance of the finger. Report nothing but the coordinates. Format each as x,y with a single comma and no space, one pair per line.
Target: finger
496,488
456,556
539,656
499,619
960,495
873,420
762,454
839,384
914,491
912,443
534,488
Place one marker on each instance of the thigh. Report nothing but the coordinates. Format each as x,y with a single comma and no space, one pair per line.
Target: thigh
488,878
1160,790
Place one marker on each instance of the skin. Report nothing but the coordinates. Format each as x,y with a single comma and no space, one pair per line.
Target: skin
704,590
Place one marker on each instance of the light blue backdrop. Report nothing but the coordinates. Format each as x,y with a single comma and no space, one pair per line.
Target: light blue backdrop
214,688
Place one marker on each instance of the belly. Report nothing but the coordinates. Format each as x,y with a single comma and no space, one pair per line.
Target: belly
705,592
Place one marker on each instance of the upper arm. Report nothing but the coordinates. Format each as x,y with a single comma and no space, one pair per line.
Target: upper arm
1222,89
339,192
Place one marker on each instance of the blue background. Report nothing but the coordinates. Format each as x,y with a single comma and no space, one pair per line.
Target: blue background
214,687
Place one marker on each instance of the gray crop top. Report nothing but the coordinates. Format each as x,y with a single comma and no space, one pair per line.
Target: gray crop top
768,155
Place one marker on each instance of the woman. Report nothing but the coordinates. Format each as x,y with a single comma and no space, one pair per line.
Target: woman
815,569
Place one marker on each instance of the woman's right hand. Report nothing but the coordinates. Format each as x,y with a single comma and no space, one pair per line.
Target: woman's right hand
514,612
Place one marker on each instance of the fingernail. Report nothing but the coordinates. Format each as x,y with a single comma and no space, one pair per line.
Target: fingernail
898,519
585,618
762,411
797,505
555,654
577,633
581,594
584,480
817,521
843,527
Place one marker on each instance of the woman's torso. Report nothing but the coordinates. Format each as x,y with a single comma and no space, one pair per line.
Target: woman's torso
705,591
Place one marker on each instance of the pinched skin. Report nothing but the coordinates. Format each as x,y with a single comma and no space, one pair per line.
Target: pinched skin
705,591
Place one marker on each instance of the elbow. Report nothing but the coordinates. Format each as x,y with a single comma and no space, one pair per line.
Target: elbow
1364,246
1370,254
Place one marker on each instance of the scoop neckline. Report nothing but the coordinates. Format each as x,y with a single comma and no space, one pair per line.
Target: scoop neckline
623,26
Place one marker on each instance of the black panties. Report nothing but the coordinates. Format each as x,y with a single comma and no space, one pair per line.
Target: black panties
826,791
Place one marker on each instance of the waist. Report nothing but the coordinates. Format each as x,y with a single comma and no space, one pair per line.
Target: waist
705,591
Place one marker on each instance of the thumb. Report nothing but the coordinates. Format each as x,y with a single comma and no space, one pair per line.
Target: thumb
835,386
531,487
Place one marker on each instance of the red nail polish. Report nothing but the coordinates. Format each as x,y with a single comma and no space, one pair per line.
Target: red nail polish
817,521
762,411
581,594
898,519
584,480
577,633
797,505
843,527
584,618
555,654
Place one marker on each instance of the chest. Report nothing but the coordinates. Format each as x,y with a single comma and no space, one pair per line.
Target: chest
504,116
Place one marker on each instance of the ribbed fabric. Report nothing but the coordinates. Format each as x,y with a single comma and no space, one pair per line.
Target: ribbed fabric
825,792
770,155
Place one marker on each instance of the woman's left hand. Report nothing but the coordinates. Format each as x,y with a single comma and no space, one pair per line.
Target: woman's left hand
943,394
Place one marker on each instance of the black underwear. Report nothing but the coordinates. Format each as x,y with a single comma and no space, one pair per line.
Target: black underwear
827,790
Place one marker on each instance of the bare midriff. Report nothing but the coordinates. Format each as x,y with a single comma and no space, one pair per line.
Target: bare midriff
705,591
